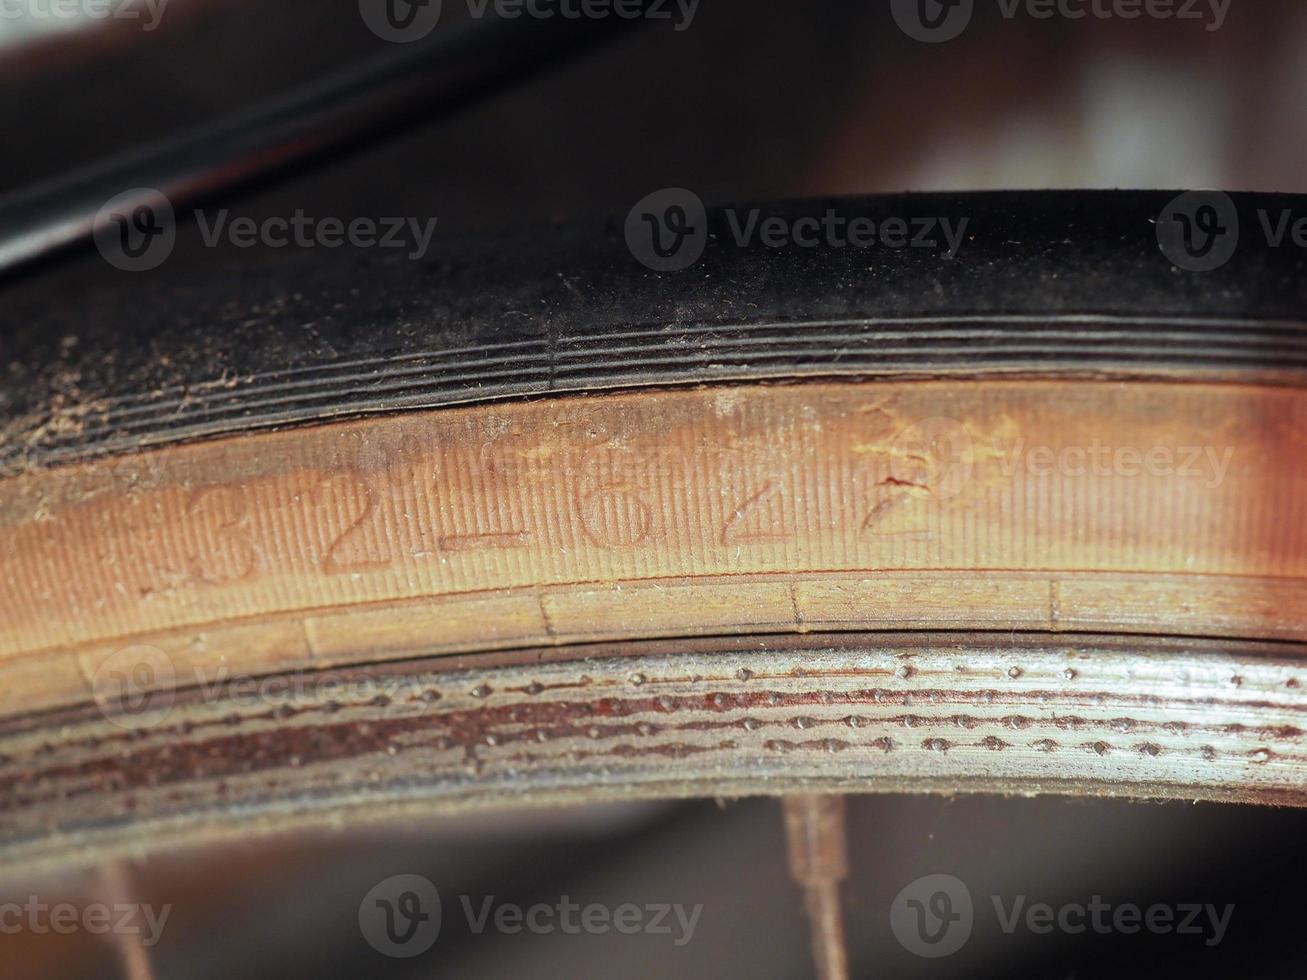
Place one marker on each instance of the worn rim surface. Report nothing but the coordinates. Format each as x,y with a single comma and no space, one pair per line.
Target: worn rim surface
1014,713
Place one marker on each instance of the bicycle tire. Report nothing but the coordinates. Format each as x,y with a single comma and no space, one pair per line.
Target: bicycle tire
567,529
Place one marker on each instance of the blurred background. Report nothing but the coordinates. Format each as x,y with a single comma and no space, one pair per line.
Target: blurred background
290,908
755,99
